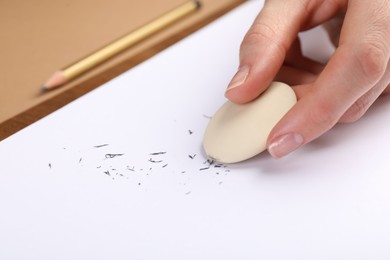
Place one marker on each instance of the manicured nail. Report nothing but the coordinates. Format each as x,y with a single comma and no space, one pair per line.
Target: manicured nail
239,78
285,144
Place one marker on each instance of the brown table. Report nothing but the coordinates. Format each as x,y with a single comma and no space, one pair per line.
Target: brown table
40,37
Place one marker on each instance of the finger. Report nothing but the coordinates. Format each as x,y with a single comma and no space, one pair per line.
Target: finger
360,107
295,58
357,65
333,28
387,90
301,90
264,48
293,76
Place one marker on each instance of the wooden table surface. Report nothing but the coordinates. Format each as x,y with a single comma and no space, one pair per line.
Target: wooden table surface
23,67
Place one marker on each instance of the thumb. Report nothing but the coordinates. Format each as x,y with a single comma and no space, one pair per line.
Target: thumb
264,48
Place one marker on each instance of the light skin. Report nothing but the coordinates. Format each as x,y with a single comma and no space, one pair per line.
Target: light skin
339,91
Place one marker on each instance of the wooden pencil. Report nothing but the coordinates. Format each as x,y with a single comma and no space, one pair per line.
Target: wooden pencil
72,71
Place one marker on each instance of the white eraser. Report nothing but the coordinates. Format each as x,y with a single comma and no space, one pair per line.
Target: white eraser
239,131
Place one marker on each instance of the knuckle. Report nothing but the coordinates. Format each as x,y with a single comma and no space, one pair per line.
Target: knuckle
259,32
372,61
262,34
355,112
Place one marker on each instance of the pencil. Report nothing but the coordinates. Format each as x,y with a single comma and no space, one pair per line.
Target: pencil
72,71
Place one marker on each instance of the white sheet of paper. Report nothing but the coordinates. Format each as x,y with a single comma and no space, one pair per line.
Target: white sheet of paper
63,198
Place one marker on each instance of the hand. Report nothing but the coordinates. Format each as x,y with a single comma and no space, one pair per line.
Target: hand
341,90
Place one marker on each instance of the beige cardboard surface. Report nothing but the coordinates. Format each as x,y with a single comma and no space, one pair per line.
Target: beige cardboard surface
42,36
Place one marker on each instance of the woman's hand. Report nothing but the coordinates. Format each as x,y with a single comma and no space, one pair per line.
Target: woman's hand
341,90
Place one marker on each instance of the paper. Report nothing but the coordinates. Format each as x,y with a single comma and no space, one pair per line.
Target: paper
120,173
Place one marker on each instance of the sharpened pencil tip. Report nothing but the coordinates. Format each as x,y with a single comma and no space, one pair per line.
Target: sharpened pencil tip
198,4
56,80
44,89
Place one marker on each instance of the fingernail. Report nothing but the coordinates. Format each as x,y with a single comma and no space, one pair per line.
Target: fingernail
285,144
239,78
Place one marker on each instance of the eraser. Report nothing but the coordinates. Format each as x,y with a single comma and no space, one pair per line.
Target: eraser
239,131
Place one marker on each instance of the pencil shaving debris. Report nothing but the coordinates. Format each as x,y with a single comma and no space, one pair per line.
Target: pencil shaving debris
192,156
111,155
130,169
116,172
154,161
100,146
158,153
